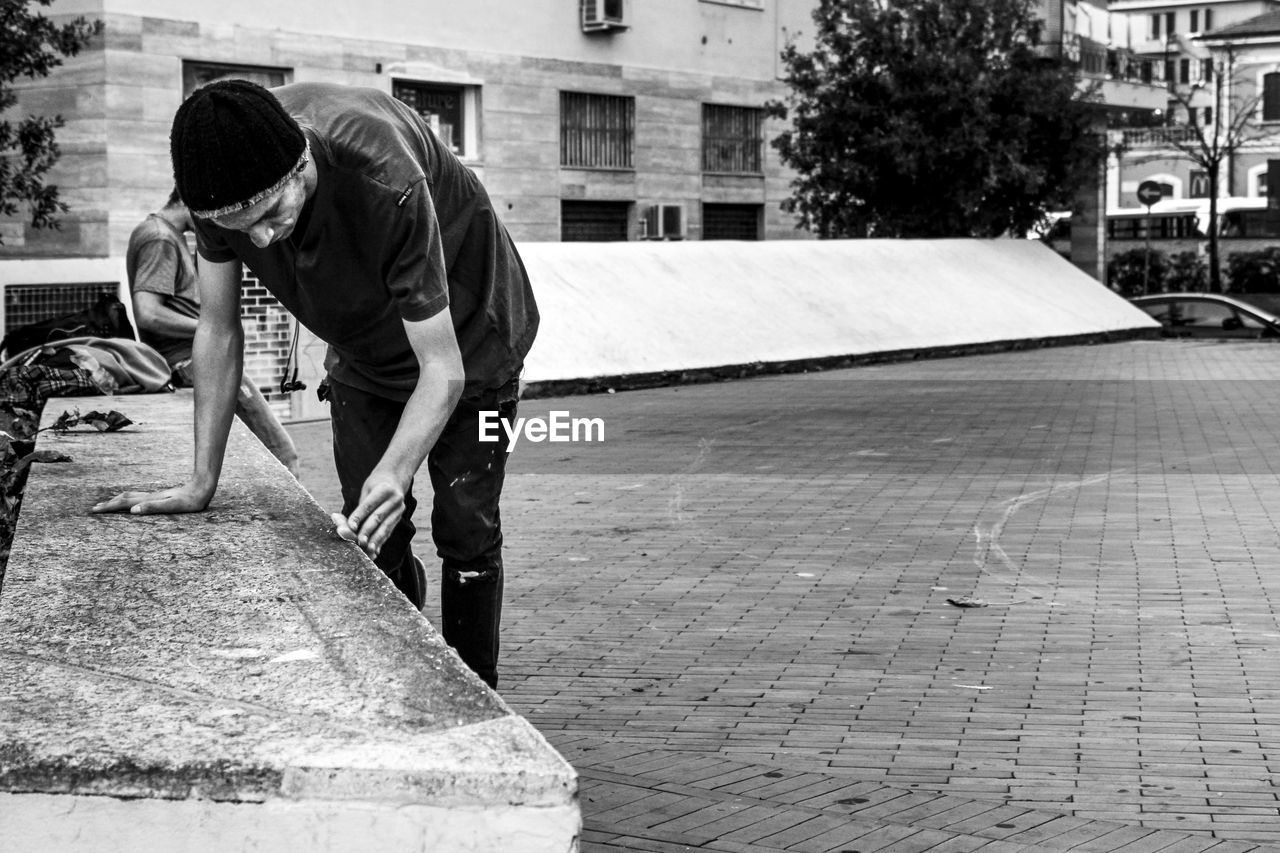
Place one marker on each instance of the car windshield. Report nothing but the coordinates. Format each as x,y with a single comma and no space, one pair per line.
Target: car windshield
1197,313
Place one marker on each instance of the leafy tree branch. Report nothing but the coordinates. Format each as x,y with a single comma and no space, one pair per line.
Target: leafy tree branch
31,45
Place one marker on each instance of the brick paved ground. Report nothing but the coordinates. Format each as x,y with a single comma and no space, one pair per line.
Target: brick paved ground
733,615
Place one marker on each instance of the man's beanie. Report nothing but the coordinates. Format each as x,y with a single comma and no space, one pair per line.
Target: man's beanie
233,145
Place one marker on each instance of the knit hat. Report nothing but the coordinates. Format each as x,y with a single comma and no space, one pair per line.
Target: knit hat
233,145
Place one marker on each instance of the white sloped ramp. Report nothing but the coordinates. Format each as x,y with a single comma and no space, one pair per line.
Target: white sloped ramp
613,309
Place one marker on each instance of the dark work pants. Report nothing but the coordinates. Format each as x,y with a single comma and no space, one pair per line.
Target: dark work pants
466,479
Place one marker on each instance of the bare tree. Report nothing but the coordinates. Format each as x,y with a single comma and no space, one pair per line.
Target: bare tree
1213,144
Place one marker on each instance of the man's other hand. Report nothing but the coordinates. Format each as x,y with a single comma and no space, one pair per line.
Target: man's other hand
380,509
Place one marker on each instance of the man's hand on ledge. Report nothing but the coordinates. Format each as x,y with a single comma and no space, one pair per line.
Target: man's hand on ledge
184,498
371,523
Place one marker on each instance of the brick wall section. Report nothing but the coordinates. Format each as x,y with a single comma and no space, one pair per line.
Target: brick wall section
268,329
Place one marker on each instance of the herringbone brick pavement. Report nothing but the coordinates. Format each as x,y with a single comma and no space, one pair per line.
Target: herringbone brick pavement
744,616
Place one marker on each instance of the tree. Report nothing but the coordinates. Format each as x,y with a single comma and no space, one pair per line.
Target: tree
32,46
932,118
1213,143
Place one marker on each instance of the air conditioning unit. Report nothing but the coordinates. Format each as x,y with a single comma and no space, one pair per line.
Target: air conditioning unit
600,16
663,222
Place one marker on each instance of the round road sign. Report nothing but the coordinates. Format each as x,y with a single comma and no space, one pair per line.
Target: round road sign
1149,193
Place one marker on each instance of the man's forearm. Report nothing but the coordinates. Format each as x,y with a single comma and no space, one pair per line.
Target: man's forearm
428,409
218,360
167,322
155,316
425,415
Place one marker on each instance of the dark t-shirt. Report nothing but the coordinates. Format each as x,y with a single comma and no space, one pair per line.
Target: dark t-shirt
159,261
397,229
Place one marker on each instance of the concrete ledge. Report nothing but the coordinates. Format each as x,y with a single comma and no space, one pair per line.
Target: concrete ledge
106,825
237,679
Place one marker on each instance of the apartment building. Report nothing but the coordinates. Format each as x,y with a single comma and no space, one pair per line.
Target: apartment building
579,115
1203,54
1099,42
1252,49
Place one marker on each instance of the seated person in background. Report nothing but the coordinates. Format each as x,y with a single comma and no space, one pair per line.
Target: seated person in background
162,279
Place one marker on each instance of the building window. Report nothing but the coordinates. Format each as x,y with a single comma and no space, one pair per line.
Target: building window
1155,26
1206,70
731,139
597,131
731,221
1194,26
1184,71
197,74
1208,19
1271,97
595,221
443,108
1170,24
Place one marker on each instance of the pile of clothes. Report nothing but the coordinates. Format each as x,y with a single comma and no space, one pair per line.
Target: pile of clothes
82,366
79,356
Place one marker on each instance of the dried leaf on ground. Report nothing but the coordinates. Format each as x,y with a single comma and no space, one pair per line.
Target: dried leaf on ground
101,421
966,601
40,456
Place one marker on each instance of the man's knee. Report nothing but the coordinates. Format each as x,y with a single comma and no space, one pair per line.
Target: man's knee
472,575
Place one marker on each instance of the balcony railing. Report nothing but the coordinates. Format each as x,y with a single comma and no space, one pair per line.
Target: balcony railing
1096,61
1158,137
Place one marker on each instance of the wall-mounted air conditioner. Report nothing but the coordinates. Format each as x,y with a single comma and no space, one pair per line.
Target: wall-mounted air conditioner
600,16
663,222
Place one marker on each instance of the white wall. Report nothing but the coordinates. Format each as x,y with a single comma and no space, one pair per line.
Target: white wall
693,35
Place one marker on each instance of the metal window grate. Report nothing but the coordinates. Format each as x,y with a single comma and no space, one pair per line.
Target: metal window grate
594,221
597,131
440,106
31,303
731,139
731,221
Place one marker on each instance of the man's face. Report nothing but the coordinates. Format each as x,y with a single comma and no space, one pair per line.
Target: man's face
272,219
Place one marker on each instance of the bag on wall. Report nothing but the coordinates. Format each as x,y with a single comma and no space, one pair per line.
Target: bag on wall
107,318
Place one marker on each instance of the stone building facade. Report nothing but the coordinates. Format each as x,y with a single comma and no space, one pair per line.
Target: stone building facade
684,79
1202,53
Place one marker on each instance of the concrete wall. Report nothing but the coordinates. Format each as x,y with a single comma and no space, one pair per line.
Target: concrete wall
75,271
237,679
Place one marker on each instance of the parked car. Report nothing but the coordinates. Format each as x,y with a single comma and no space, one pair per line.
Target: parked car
1208,315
